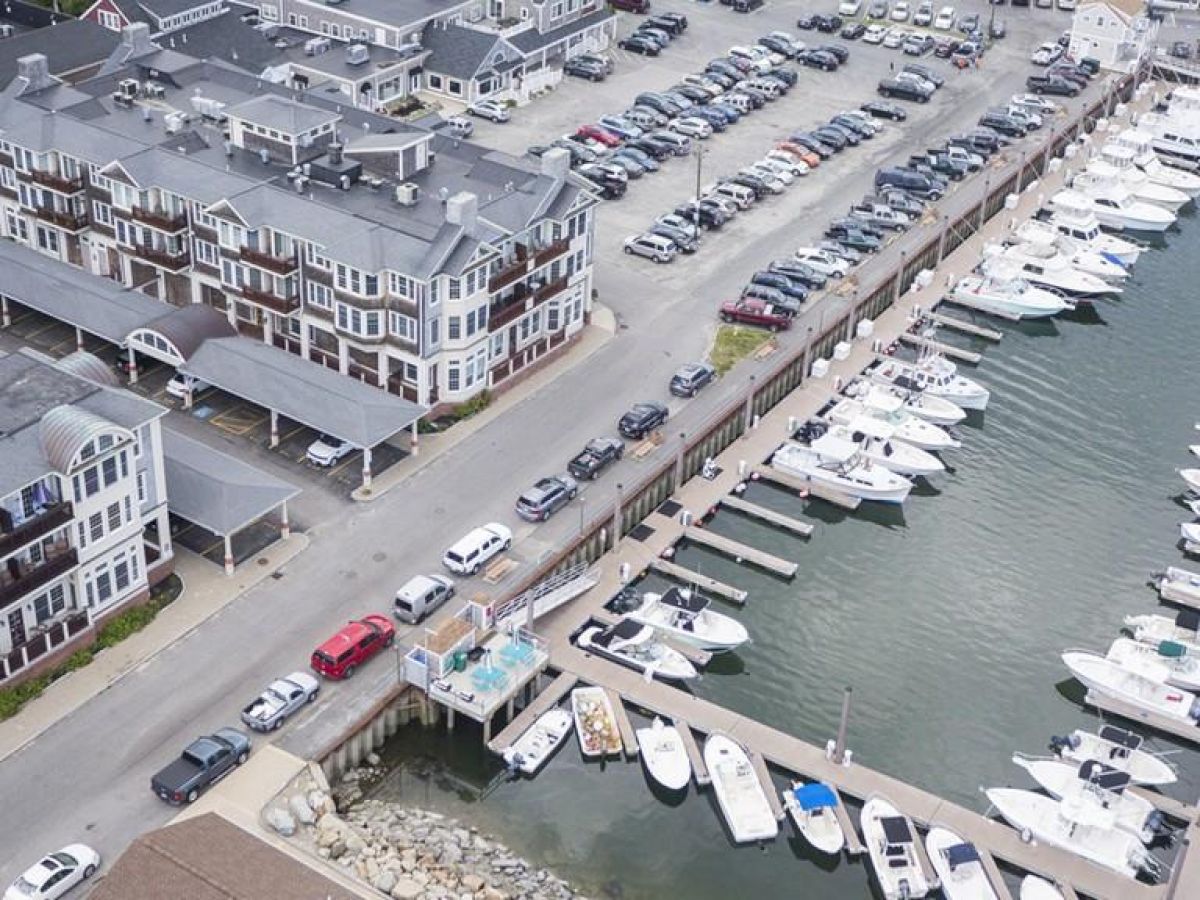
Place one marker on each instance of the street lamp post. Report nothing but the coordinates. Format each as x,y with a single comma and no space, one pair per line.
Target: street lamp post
700,151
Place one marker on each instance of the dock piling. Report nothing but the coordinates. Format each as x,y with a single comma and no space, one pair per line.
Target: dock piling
839,749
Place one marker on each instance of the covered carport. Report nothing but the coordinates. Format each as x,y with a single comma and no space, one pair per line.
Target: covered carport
220,493
175,335
304,392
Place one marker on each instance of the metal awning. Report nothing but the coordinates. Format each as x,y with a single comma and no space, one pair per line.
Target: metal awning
214,490
302,391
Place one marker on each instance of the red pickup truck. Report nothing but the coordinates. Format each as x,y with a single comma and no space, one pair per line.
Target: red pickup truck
755,312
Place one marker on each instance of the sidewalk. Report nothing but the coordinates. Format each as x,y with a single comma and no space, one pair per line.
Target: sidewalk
206,591
601,330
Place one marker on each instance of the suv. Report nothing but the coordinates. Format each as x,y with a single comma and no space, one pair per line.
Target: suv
420,596
652,246
492,110
546,497
352,646
476,547
904,89
595,456
912,182
641,419
690,379
583,68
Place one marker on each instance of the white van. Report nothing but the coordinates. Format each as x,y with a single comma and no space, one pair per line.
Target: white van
472,551
738,193
740,102
420,596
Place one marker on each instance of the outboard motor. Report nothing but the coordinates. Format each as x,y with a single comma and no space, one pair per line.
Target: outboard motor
905,890
1194,712
1059,744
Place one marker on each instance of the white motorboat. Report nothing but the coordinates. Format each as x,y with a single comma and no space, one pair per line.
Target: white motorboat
923,405
957,865
1118,748
1144,157
1192,478
1071,213
1119,161
1190,532
1043,819
1095,793
843,468
664,756
1045,266
873,437
685,616
739,793
533,749
1152,628
1176,141
1078,254
1178,585
1166,661
886,407
891,841
936,376
811,807
1107,678
635,646
1114,207
1034,888
1194,449
595,723
1002,291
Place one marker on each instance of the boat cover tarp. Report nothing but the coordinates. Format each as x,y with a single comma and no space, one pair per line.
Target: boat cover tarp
961,854
1121,737
683,600
626,633
815,795
1188,619
896,830
1172,650
1104,776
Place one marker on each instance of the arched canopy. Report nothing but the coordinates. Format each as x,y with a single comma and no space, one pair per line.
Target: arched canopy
70,436
173,338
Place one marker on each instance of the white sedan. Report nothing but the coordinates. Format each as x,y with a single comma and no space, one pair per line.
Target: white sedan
490,109
825,263
55,874
874,34
765,170
691,126
783,159
899,12
1046,54
181,385
327,450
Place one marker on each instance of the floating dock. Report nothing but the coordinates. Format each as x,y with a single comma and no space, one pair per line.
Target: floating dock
947,350
988,334
706,584
628,737
770,516
995,876
543,702
699,768
854,844
768,785
810,488
742,552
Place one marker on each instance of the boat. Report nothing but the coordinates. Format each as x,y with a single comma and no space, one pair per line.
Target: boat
1165,661
1106,677
1002,292
739,793
1114,207
1192,477
843,468
664,756
1093,792
957,865
1176,142
1117,162
1144,157
889,409
1178,585
892,843
1190,532
635,646
1045,266
811,806
595,723
685,616
1034,888
932,376
533,749
873,437
1078,253
1152,628
1119,749
923,405
1071,213
1042,819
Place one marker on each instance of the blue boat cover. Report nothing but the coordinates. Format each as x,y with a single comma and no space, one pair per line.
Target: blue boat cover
814,795
960,854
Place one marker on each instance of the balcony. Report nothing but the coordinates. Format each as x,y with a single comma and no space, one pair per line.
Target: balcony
28,578
160,219
280,265
545,292
163,258
512,271
523,300
68,220
285,306
49,636
56,182
550,253
13,536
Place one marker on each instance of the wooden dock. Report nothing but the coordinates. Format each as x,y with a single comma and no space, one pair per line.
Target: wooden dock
808,488
770,516
699,768
628,738
543,702
741,552
768,785
994,875
854,844
1153,720
706,584
957,324
948,350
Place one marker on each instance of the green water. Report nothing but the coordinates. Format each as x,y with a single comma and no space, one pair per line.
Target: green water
947,619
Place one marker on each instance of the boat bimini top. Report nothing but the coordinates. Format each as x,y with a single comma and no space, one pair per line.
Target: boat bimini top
815,795
961,854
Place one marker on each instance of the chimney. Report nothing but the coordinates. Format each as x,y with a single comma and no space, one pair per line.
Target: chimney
461,210
135,39
556,163
35,69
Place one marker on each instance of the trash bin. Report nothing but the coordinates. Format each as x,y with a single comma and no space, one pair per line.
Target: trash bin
460,661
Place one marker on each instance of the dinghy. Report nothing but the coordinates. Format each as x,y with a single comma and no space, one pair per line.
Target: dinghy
892,843
1165,661
811,807
685,616
664,756
1106,677
633,645
958,867
595,723
739,793
534,748
1034,888
1118,748
1093,784
1178,585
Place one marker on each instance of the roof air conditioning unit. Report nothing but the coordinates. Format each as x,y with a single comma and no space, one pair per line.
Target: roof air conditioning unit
357,54
122,100
316,46
154,90
407,193
174,122
128,86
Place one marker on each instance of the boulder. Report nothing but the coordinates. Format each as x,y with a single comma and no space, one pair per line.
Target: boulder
320,802
281,820
384,881
298,807
373,759
472,882
407,889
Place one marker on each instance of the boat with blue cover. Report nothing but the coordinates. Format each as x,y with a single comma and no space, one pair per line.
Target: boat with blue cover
811,806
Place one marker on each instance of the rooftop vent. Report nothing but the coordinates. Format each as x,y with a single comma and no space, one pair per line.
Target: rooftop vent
407,193
357,54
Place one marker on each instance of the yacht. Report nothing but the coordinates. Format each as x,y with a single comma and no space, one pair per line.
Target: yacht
1166,661
1118,748
873,437
811,807
889,409
1121,161
1047,267
1114,207
1178,585
957,865
1034,888
1071,213
663,755
840,465
1002,291
534,748
1092,790
1078,254
685,616
1175,140
1106,677
595,723
634,645
933,375
739,792
923,405
1045,820
892,843
1152,628
1141,144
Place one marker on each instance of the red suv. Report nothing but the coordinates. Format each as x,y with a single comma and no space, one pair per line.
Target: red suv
357,642
596,133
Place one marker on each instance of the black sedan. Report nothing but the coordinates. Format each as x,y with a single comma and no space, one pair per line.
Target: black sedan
881,109
835,138
827,24
854,239
853,31
809,142
798,273
806,23
706,214
817,59
584,69
680,238
636,44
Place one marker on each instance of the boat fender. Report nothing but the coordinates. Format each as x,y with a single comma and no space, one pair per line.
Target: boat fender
1026,835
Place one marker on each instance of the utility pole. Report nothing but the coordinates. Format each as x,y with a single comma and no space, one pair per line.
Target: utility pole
700,151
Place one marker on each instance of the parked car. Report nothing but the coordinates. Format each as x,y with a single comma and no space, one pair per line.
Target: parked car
798,273
598,134
652,246
924,14
925,85
925,73
642,419
850,8
918,45
1046,53
692,126
969,23
460,126
55,874
203,763
806,22
705,214
755,312
354,644
655,149
821,261
1005,124
546,497
827,24
633,6
639,44
181,385
420,596
672,24
883,110
281,698
900,11
492,110
581,68
782,303
875,34
863,126
783,46
817,59
1036,103
328,450
878,9
680,144
910,182
684,240
1047,84
475,548
780,282
597,455
691,378
944,20
810,142
903,89
853,31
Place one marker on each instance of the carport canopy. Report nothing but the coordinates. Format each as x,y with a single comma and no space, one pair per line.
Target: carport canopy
175,335
310,394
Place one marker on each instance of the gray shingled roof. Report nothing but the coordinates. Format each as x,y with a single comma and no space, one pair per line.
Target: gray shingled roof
68,46
529,41
281,114
163,9
215,490
457,51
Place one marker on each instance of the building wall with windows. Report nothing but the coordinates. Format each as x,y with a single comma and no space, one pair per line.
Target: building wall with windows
1118,33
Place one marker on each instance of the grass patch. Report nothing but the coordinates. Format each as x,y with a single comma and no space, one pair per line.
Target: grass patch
735,343
115,630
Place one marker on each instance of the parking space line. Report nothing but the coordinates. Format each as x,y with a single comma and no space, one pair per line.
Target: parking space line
291,434
349,459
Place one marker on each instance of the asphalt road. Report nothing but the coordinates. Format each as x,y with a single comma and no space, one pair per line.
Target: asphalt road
88,777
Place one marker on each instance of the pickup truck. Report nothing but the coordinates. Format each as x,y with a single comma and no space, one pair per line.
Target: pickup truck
595,457
203,763
755,312
281,698
880,215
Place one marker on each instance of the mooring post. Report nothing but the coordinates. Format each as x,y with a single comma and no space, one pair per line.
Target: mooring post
839,749
616,521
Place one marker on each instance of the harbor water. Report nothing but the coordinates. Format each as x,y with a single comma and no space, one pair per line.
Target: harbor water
946,618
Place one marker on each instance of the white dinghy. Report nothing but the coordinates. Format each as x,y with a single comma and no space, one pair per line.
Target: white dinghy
739,793
958,867
1116,747
664,756
533,749
892,843
811,806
